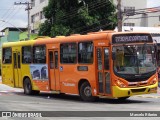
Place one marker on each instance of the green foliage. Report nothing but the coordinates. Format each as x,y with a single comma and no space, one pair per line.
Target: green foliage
66,17
58,30
45,29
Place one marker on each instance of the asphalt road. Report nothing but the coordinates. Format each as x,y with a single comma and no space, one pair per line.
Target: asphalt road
12,99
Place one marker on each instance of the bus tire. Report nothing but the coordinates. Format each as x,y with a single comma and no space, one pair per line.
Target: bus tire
86,92
27,86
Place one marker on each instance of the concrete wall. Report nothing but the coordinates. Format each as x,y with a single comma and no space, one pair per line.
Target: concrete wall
13,36
36,11
137,19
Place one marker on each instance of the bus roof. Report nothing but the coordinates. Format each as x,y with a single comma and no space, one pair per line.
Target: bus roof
90,36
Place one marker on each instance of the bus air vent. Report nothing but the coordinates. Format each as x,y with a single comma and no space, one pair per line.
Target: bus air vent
138,90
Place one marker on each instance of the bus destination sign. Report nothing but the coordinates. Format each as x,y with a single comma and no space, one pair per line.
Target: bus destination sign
131,38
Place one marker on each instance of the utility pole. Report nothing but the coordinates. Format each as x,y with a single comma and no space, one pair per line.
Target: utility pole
28,10
119,16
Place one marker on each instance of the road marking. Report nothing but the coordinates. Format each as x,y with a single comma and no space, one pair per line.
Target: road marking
147,96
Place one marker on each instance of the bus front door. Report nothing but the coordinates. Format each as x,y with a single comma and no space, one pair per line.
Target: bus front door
54,70
103,71
17,69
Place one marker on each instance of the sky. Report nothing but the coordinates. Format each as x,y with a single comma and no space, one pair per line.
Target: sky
15,15
153,3
12,15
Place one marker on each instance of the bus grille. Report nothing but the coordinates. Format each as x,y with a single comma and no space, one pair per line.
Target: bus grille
138,90
140,84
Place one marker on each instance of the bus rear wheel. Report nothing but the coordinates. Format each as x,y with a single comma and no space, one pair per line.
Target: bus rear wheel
27,86
86,92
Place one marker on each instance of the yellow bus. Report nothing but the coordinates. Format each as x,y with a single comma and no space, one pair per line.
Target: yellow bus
101,64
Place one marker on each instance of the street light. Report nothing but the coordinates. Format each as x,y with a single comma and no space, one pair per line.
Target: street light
11,25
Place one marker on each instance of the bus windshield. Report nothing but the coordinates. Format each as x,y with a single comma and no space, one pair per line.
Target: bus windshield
134,59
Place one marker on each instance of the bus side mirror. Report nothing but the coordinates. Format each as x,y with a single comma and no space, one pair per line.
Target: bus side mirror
113,55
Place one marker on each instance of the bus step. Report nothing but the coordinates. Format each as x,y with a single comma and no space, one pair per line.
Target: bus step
55,92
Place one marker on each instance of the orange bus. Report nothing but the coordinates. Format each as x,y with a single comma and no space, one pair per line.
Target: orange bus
101,64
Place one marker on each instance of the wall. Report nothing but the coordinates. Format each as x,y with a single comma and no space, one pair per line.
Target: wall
137,19
36,11
13,36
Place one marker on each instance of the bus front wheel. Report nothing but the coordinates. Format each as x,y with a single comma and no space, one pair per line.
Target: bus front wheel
86,92
27,86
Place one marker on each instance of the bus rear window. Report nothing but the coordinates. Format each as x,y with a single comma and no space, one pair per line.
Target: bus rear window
7,55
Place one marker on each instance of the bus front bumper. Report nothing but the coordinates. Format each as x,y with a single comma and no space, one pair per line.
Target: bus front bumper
126,92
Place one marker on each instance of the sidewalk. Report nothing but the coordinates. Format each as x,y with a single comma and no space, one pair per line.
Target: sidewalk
6,88
0,79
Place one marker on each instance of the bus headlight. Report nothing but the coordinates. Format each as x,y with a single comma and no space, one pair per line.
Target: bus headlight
120,83
153,81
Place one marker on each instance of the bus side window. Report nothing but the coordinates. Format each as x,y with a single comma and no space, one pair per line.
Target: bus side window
85,52
39,54
26,54
68,53
7,55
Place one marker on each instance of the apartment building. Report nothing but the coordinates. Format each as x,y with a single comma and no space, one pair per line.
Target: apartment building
36,14
144,17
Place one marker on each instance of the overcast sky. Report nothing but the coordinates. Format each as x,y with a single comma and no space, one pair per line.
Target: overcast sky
15,15
153,3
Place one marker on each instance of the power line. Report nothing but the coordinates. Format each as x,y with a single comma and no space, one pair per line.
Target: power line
6,13
28,10
9,14
97,28
143,17
132,12
83,27
10,17
93,7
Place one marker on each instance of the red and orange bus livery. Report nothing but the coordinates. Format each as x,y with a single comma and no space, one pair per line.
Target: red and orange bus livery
101,64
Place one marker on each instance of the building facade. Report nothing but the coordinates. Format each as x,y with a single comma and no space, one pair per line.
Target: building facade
134,13
36,14
10,34
139,13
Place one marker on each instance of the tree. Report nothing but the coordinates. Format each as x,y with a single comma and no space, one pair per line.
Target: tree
65,17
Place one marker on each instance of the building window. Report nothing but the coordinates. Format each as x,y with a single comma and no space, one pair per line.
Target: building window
41,15
32,31
68,53
26,54
33,3
129,24
42,1
32,18
7,55
129,11
39,54
85,52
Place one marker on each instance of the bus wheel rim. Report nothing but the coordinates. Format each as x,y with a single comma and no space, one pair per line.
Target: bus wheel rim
87,91
28,86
